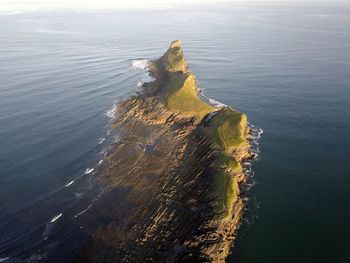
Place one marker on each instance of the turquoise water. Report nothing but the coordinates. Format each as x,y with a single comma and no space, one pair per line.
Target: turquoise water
286,66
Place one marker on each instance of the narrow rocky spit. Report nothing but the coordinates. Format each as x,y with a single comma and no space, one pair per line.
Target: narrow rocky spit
173,180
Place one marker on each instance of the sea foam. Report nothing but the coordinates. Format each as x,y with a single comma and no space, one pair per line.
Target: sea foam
111,113
55,218
101,140
141,63
70,183
216,103
89,170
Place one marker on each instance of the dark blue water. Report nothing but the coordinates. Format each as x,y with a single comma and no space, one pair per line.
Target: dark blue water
286,66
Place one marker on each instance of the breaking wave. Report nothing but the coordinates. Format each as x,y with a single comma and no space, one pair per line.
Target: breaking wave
216,103
141,63
89,170
255,135
101,140
55,218
112,112
69,184
144,65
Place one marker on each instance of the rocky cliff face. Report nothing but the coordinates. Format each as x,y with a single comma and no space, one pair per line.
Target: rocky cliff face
173,179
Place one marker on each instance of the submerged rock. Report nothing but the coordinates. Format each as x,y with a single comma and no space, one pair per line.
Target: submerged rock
173,179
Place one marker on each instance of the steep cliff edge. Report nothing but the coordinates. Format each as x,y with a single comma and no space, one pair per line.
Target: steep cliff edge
173,179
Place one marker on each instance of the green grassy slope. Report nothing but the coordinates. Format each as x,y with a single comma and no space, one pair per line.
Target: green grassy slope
182,97
226,129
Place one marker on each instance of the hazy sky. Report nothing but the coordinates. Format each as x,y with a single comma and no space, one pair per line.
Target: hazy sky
31,5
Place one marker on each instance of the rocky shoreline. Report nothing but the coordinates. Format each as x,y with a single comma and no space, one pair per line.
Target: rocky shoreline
173,180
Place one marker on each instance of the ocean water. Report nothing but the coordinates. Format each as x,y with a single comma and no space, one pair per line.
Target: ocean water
285,65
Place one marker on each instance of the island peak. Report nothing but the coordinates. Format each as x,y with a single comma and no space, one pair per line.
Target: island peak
173,59
176,43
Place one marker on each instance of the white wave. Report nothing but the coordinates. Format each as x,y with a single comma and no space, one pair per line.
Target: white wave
249,186
101,140
100,162
254,151
254,155
4,259
55,218
139,84
111,113
89,206
249,173
83,211
89,170
141,63
70,183
255,137
216,103
257,129
247,169
146,78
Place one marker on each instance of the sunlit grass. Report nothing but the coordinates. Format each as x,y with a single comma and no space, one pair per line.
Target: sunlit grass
228,128
182,97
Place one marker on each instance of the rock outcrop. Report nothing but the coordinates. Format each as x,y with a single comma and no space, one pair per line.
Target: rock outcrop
173,179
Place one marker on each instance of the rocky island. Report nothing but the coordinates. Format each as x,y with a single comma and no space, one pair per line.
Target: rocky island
173,180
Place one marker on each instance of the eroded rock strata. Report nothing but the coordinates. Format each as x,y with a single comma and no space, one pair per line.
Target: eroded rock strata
173,179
